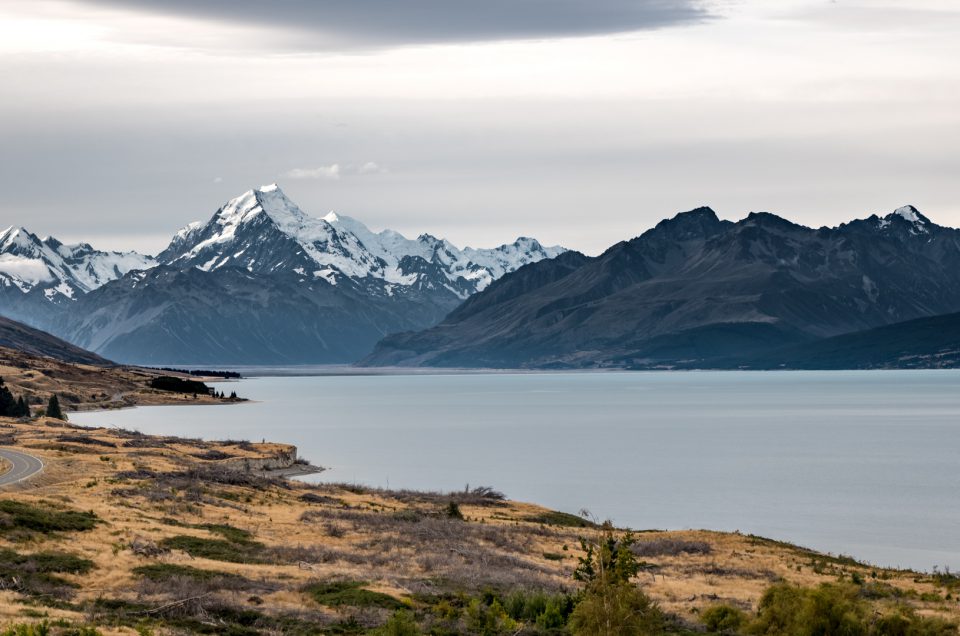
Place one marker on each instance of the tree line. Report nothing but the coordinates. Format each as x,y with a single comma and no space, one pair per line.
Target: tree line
18,407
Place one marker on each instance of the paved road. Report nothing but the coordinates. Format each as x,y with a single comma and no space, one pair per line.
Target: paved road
24,467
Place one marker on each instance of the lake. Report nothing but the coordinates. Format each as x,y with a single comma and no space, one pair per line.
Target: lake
863,463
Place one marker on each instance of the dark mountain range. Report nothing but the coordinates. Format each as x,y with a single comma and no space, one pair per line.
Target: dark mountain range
696,291
15,335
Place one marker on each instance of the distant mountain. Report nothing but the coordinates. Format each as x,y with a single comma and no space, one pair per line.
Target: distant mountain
35,272
15,335
695,290
262,282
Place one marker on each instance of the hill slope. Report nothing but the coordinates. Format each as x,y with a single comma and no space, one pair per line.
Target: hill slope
15,335
932,342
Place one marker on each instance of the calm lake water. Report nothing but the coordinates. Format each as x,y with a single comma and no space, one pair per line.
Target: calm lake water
859,463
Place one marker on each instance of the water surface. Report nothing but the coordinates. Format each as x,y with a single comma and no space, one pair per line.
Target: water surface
863,463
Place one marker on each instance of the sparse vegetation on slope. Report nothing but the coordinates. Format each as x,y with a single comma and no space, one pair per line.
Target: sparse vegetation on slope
129,532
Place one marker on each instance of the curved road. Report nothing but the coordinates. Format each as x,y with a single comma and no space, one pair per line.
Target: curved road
23,467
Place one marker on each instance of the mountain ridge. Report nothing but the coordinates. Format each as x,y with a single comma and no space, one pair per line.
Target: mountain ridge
783,283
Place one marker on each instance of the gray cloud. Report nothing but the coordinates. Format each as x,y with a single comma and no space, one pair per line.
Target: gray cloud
326,24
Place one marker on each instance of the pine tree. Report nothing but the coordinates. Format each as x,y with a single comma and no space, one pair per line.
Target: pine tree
53,408
23,409
7,404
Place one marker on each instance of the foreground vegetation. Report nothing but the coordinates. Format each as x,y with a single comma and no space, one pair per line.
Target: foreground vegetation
126,533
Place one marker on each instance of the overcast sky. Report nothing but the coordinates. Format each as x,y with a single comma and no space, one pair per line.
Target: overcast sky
579,122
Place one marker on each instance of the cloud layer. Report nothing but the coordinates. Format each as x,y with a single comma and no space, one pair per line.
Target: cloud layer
326,24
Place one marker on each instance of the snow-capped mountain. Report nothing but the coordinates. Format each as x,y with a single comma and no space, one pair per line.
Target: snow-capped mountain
263,231
260,282
60,272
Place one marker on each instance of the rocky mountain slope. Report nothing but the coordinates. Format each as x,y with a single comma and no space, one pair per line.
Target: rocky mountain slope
261,282
696,289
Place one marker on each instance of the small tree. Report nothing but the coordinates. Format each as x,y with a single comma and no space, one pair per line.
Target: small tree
53,408
23,409
8,405
611,605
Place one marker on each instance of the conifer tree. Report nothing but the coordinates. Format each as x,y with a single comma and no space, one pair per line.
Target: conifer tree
8,405
53,408
23,409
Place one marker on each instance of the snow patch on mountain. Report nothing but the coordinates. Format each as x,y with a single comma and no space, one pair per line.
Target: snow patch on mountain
919,224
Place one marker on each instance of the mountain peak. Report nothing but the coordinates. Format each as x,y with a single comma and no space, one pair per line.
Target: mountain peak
264,231
16,236
698,223
908,214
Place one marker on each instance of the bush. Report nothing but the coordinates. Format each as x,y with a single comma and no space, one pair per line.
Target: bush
836,609
562,519
35,574
723,619
19,515
168,571
619,608
350,593
217,549
400,624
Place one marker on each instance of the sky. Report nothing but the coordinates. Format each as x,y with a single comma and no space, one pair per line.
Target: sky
578,122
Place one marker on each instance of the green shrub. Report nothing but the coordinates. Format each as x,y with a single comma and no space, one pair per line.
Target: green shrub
904,621
482,618
228,532
563,519
36,573
723,619
401,623
836,609
167,571
619,608
19,515
350,593
217,549
27,629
